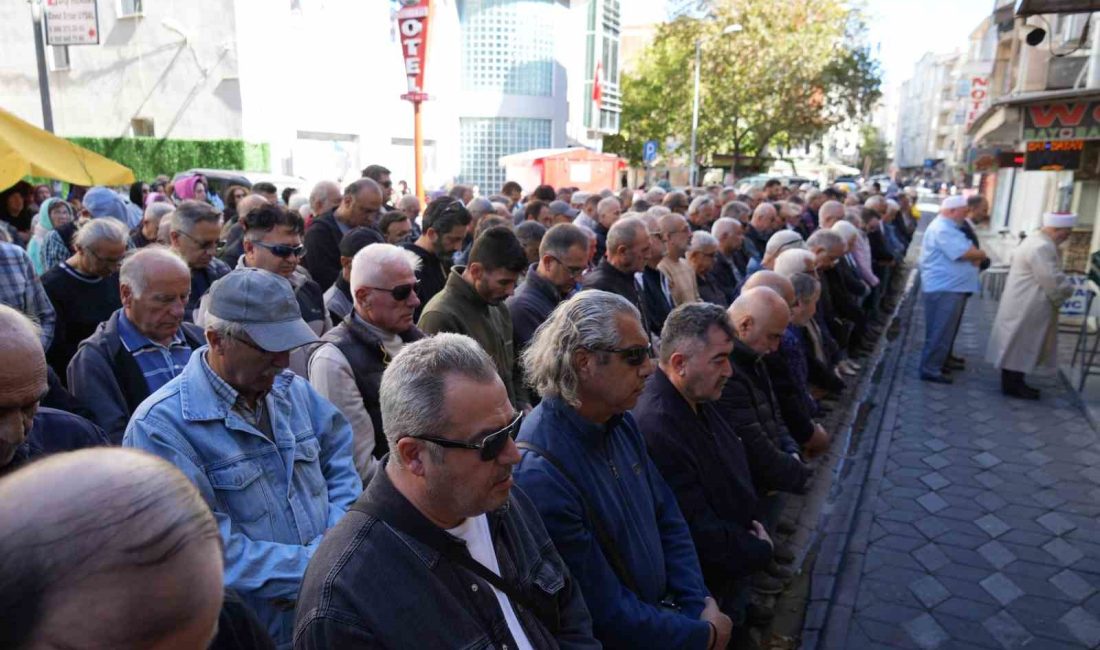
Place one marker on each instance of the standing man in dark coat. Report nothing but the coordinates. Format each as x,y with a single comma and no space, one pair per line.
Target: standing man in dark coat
444,227
700,456
562,255
627,252
360,206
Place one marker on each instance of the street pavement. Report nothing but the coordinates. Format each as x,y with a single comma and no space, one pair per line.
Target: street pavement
974,519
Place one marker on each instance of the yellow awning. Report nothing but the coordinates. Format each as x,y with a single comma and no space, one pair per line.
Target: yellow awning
26,150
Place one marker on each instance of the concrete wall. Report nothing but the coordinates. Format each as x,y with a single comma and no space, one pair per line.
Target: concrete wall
188,86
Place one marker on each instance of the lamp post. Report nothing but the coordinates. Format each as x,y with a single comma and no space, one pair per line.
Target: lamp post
730,29
43,73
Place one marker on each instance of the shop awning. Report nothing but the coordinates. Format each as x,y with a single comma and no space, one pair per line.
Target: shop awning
26,150
1033,7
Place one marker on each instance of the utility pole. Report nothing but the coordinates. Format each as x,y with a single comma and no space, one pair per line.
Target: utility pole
695,112
43,73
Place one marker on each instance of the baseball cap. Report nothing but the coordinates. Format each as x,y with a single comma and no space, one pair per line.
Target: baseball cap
359,238
561,207
264,305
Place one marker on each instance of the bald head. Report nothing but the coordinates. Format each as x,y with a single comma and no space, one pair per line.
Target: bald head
22,380
795,261
764,217
760,315
830,213
250,203
772,280
111,532
876,203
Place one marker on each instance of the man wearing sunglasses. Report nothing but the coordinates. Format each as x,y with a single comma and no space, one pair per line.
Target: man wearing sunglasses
441,551
270,456
195,232
473,304
348,370
273,242
611,515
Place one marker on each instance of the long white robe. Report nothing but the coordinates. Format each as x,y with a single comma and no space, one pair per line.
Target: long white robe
1025,331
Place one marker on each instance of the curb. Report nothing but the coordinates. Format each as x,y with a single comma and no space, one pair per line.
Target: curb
846,519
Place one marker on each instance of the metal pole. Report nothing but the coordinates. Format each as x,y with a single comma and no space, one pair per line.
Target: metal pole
695,111
43,74
418,152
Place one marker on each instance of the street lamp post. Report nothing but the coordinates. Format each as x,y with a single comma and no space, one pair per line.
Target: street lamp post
730,29
43,73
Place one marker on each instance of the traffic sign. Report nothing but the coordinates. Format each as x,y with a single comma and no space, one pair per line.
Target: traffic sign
649,151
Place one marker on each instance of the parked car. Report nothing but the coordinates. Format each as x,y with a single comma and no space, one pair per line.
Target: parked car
220,179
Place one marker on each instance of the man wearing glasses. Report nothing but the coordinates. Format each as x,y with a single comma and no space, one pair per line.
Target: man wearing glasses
610,514
270,456
194,234
361,205
441,551
273,242
347,371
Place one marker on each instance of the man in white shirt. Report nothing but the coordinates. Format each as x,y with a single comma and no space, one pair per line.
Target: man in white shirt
441,551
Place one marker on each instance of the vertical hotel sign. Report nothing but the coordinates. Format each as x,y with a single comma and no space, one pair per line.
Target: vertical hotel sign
412,25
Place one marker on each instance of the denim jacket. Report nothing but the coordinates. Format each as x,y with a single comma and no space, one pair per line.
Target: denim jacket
373,586
272,500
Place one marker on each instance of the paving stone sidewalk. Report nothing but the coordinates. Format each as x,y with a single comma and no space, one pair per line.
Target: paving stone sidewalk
980,515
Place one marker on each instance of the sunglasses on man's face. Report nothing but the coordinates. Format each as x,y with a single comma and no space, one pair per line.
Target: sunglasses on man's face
489,447
634,356
401,291
282,250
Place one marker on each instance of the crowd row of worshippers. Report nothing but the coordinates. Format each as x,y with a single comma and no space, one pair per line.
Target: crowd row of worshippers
323,368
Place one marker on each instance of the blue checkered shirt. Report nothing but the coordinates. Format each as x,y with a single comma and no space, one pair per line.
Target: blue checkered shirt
158,363
229,395
21,289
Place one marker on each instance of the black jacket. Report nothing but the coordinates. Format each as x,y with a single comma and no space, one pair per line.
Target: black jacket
968,230
880,251
759,241
368,360
749,405
606,277
656,306
710,291
323,249
54,431
531,306
432,276
726,276
703,461
372,586
789,398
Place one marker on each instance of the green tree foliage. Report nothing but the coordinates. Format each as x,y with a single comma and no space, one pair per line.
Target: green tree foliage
793,72
871,145
148,157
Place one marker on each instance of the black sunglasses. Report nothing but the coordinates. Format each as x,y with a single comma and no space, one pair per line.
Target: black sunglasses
282,250
401,291
490,446
634,356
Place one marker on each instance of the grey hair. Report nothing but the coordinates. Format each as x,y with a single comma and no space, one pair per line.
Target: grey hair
320,192
135,268
723,224
190,213
408,201
875,203
736,210
560,238
371,261
297,200
793,261
699,202
826,239
104,229
784,240
413,390
625,232
588,232
607,204
812,195
587,320
164,231
657,211
156,211
805,285
655,194
701,239
224,328
479,207
579,198
689,324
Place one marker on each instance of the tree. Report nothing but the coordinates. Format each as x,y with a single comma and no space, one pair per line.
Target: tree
872,147
787,77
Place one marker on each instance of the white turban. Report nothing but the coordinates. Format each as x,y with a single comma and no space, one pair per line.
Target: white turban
954,201
1059,219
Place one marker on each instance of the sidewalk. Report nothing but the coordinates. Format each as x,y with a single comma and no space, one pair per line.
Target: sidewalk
966,519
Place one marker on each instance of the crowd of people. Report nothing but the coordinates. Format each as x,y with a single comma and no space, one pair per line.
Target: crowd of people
553,418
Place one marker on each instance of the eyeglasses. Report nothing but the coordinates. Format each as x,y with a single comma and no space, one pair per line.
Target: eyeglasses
282,250
574,271
386,184
401,291
634,356
490,446
215,245
250,344
109,261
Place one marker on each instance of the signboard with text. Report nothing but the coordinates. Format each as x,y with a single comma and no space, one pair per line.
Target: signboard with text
412,25
1054,155
1062,121
977,98
71,22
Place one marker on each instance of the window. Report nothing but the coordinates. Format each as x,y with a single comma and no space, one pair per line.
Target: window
483,140
127,8
507,46
59,57
142,127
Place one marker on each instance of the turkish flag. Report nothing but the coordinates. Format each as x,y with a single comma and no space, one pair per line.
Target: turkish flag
597,86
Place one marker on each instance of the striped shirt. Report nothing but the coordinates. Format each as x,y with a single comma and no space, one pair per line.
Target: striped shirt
158,363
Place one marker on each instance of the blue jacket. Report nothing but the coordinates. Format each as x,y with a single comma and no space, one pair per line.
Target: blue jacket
272,500
53,431
640,512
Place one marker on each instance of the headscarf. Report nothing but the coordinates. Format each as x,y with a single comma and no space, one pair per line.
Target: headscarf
43,225
104,202
155,197
135,194
185,187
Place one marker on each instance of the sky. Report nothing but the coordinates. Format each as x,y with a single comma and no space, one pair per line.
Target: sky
900,31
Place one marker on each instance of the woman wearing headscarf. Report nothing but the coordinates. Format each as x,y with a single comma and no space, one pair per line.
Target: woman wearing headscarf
156,197
54,213
97,202
190,188
15,213
138,192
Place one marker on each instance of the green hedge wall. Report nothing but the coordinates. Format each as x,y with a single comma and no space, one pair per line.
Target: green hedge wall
149,157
